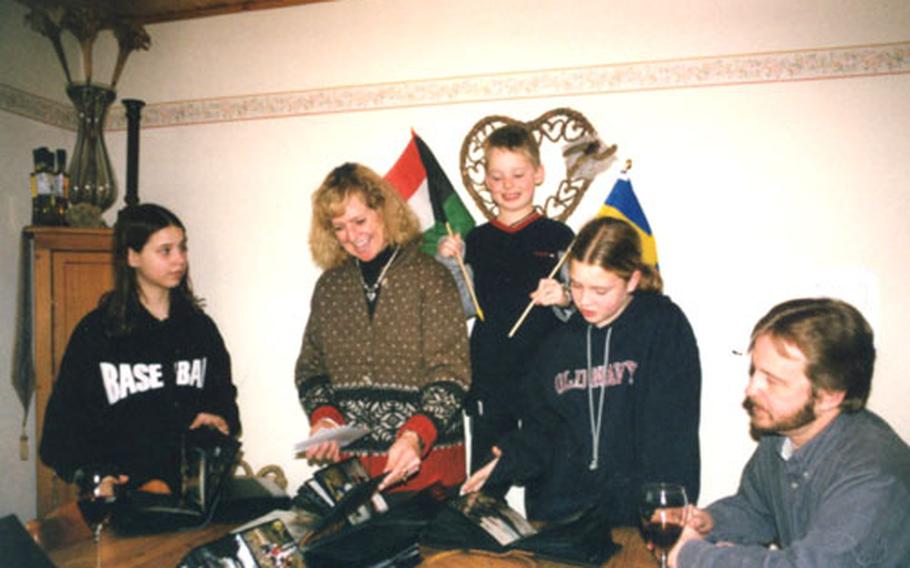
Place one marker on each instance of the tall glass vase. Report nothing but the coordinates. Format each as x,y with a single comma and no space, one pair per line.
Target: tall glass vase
91,176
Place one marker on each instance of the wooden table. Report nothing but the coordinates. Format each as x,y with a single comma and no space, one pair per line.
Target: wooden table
160,551
632,555
166,551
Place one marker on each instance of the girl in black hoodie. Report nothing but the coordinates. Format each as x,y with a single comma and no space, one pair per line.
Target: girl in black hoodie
143,368
613,398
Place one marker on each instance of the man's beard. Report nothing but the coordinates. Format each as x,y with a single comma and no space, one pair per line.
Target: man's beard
798,419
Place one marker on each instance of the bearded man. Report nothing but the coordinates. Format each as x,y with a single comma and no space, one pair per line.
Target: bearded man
829,484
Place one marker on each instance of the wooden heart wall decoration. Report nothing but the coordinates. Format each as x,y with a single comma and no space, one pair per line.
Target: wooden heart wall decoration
584,157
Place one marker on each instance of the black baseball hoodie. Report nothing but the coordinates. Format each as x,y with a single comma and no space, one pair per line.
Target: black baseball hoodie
128,400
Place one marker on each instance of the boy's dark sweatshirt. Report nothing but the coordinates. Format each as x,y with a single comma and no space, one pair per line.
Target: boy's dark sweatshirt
508,263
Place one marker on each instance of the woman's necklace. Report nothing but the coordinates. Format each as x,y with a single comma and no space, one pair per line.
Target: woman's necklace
372,290
597,422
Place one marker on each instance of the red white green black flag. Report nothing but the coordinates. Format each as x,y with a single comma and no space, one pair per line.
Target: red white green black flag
420,180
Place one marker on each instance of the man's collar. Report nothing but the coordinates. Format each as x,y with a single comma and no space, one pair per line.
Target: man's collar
788,449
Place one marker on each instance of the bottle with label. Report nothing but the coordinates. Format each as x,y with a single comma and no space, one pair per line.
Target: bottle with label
48,189
61,187
42,181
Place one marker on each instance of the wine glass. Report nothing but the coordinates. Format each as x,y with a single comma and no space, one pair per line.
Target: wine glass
97,486
664,508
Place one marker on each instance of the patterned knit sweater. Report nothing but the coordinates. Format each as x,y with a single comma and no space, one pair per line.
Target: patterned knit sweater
406,368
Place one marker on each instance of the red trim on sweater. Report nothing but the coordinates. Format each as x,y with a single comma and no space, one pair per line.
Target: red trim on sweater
442,465
515,227
329,412
425,430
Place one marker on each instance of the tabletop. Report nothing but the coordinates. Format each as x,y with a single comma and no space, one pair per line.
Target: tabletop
167,549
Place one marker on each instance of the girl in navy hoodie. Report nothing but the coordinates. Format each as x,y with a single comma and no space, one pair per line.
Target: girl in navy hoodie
143,368
613,396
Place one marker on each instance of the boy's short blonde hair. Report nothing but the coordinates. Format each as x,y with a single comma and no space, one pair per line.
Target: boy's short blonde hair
515,138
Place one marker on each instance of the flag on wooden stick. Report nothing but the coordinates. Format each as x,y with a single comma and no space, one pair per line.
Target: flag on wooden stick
420,180
621,203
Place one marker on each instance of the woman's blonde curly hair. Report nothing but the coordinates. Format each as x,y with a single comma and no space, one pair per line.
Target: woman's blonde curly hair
400,223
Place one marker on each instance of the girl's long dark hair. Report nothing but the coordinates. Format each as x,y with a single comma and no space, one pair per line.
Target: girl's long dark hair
134,226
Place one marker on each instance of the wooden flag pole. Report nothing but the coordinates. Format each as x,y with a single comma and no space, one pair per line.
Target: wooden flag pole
553,272
467,278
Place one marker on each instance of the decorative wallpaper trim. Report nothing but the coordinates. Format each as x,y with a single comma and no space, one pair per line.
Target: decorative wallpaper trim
37,108
739,69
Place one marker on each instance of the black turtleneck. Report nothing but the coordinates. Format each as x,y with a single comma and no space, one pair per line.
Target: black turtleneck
370,270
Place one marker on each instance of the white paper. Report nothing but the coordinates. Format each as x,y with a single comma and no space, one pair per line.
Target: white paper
342,435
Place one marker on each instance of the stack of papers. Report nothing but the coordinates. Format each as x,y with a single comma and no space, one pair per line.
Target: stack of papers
343,435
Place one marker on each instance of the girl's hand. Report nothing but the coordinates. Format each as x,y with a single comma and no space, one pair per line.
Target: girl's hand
108,484
212,421
479,478
550,292
325,452
450,246
404,459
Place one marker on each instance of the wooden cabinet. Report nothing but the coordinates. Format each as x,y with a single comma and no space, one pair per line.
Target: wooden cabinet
72,268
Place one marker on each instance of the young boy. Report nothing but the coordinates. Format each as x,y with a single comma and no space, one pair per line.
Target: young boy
511,257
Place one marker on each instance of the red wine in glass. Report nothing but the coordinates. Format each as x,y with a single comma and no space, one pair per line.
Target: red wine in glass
97,495
96,510
662,535
663,508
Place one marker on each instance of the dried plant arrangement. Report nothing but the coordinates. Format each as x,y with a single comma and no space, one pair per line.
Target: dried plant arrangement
84,21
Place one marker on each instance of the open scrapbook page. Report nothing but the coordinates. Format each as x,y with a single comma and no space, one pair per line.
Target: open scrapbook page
504,524
268,544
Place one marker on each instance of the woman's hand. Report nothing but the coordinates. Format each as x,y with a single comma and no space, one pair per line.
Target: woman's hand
450,246
212,421
324,452
404,459
479,478
550,292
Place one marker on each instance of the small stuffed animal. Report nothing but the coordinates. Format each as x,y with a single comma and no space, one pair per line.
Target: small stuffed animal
587,157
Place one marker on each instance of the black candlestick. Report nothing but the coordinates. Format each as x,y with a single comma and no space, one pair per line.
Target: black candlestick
133,114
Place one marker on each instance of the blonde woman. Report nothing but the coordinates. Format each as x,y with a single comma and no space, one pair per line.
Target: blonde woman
385,346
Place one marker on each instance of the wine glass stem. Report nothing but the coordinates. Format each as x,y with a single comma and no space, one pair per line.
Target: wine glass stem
97,539
663,560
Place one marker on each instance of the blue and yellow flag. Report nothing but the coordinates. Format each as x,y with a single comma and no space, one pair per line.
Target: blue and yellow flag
621,203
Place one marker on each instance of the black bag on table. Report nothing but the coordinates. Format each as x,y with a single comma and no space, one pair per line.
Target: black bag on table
364,528
481,522
209,459
387,539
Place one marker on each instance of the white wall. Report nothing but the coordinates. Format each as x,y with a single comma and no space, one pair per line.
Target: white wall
756,192
26,63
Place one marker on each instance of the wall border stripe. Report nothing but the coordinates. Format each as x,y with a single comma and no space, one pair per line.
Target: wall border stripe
707,71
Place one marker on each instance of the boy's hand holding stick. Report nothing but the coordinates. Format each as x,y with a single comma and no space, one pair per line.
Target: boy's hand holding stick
553,272
467,278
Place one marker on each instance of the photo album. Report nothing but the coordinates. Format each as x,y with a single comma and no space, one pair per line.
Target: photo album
268,544
342,494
